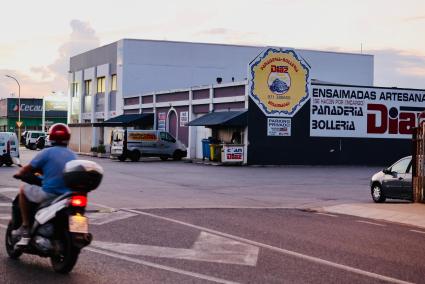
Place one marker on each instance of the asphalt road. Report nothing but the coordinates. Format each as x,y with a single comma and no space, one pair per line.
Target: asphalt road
175,222
287,246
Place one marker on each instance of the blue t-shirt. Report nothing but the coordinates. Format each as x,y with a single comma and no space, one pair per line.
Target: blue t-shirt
52,162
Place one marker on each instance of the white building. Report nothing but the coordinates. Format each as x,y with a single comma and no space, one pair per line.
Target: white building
122,77
101,79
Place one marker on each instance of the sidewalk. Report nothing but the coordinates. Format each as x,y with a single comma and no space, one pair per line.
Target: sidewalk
402,213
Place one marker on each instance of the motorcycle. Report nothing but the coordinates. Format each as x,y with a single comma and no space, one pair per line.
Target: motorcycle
58,227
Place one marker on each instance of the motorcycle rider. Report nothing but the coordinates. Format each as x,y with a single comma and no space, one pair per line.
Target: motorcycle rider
51,162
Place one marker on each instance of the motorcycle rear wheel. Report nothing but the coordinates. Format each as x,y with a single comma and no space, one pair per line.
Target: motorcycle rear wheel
66,260
14,254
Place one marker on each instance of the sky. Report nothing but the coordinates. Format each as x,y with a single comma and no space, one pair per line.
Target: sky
38,37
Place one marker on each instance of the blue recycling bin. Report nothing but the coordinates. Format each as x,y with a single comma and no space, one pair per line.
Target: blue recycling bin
205,148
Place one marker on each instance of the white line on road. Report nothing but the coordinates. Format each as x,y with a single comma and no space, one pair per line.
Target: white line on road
371,223
98,218
154,265
326,214
280,250
9,189
5,204
208,247
159,266
416,231
4,216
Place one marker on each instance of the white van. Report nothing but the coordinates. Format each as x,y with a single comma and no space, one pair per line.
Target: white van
9,147
31,138
133,144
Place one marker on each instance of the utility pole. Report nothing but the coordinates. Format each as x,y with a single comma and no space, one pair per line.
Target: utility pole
19,122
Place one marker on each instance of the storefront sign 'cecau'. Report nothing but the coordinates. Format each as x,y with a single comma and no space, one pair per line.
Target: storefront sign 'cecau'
279,82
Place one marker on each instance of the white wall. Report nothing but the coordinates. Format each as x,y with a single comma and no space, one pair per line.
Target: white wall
149,66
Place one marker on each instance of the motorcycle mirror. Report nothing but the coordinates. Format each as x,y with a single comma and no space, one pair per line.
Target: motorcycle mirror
16,161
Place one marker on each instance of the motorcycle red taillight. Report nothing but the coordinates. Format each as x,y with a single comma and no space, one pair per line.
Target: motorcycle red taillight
79,201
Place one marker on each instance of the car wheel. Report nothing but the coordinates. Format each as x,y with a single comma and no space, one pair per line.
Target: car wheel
177,155
135,156
122,158
378,195
33,147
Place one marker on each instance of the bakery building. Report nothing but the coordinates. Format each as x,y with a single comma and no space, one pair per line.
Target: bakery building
276,105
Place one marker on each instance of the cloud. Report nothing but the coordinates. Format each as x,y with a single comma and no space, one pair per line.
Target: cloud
394,67
414,19
398,68
215,31
230,36
54,76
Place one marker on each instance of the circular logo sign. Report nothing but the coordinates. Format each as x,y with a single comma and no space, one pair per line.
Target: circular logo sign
279,82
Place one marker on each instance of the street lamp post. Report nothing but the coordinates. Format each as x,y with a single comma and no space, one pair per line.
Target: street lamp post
19,107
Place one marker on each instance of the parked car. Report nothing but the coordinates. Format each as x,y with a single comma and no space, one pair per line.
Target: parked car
9,148
31,138
23,137
393,182
39,143
134,144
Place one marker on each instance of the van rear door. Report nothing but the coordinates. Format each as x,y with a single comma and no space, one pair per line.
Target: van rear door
117,143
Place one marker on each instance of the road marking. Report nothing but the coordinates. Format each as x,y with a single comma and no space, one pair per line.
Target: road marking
154,265
103,206
326,214
4,216
5,204
207,247
371,223
280,250
416,231
9,189
159,266
100,218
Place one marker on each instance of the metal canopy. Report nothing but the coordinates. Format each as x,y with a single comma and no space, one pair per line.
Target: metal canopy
130,120
225,118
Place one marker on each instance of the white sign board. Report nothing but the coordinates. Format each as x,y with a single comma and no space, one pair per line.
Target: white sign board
184,118
161,121
278,126
342,111
232,153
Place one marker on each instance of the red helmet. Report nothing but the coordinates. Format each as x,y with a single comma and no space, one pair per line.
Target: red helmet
59,133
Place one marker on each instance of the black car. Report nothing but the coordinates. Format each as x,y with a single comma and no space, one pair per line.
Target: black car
393,182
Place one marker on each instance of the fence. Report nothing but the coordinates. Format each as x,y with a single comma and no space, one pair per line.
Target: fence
418,155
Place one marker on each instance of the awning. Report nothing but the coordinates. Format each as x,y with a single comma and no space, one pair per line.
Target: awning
222,118
130,120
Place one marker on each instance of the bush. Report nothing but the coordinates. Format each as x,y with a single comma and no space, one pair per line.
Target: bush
101,149
93,149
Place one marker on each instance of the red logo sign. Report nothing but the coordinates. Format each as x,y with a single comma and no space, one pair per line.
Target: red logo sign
380,119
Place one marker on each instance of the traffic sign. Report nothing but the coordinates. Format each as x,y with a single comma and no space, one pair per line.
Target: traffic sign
19,123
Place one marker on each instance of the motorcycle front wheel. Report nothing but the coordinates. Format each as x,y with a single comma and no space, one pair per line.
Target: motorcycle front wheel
65,260
14,254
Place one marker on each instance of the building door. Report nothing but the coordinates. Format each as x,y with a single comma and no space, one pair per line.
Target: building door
172,123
